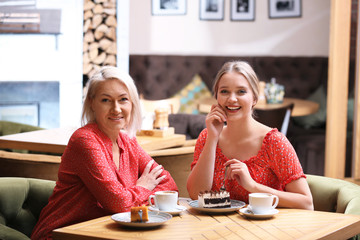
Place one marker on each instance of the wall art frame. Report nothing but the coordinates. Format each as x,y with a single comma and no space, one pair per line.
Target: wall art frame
168,7
242,10
284,8
212,10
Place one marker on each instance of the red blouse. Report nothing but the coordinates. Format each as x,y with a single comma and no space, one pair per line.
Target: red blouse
275,165
90,186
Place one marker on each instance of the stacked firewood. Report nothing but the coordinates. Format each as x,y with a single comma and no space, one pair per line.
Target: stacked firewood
99,47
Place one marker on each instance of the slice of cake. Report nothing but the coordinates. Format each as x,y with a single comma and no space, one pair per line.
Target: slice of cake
137,212
214,199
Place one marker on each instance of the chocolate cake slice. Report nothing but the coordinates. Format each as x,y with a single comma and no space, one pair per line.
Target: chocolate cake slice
212,199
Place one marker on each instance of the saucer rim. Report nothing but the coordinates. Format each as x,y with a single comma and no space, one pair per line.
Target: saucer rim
269,214
175,211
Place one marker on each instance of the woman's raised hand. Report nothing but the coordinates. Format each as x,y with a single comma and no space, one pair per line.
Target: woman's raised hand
150,179
239,171
215,120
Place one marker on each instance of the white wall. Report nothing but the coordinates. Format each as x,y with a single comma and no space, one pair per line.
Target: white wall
35,57
187,35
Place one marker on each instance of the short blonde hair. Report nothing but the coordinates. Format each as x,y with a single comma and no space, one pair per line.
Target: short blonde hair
239,67
111,73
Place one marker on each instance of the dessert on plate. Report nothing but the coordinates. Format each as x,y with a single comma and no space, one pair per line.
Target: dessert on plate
139,214
214,199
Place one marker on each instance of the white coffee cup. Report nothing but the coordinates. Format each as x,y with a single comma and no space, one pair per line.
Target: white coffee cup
164,200
262,203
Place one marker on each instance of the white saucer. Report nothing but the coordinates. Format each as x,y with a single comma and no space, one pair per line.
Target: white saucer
155,219
250,214
176,211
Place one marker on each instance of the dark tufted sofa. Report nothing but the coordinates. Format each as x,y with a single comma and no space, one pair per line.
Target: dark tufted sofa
161,76
21,201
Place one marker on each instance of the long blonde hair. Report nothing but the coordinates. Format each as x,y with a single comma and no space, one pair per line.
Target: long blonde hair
109,73
243,68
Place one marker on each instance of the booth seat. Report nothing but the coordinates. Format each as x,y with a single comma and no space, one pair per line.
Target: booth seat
21,201
335,195
7,128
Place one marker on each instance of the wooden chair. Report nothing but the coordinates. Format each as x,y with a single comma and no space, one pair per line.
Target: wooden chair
276,118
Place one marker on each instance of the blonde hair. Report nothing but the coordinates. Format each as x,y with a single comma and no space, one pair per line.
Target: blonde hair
111,73
239,67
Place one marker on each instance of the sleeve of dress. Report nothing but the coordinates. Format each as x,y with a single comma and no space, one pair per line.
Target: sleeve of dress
93,164
284,161
143,158
200,142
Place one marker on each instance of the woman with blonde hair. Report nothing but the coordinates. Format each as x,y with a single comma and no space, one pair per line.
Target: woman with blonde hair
103,169
256,158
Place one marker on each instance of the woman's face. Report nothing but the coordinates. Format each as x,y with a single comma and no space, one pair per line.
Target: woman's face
112,107
235,96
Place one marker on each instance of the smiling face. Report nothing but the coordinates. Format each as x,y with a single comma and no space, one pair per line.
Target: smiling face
112,107
235,96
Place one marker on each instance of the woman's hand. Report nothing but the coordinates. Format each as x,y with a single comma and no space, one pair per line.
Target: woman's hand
150,179
215,120
239,171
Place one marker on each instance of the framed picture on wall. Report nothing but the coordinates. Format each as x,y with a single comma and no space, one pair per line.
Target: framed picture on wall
242,10
212,10
168,7
284,8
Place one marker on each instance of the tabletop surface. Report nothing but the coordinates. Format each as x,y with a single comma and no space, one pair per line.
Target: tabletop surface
55,140
193,224
301,107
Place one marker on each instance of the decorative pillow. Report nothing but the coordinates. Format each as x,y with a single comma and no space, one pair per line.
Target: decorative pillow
191,95
317,119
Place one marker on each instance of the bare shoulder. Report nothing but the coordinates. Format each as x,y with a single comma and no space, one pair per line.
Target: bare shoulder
261,130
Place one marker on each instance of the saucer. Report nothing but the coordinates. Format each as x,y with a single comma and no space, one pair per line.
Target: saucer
176,211
155,219
250,214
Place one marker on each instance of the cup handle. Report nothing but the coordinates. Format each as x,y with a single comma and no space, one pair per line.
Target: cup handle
276,201
150,202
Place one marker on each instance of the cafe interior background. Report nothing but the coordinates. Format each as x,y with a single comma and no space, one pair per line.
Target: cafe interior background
51,60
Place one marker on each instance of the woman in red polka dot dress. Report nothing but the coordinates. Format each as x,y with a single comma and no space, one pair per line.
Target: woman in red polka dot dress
103,169
259,158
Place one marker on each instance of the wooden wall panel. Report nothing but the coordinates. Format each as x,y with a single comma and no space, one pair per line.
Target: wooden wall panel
339,50
356,132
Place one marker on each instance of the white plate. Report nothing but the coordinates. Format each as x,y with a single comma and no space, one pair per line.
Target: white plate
250,214
176,211
155,219
235,205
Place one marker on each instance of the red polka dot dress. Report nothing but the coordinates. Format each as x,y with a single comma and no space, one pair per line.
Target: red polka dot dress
90,186
275,165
